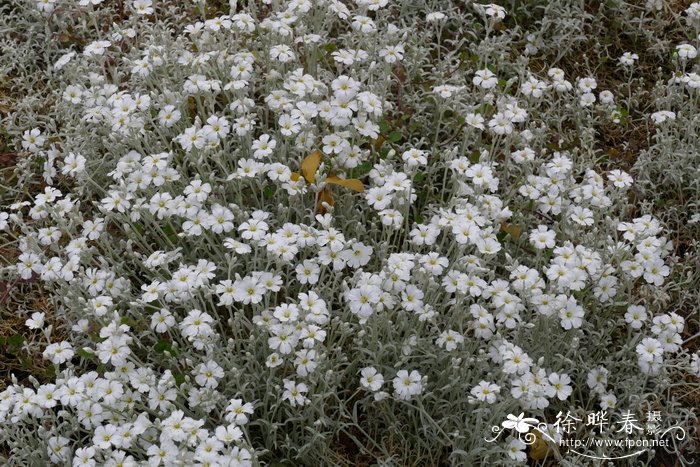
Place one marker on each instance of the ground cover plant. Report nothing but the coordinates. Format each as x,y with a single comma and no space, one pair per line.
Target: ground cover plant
370,232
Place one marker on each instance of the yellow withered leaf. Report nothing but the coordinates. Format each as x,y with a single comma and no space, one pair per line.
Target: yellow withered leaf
352,183
539,449
309,166
514,230
324,196
377,143
295,176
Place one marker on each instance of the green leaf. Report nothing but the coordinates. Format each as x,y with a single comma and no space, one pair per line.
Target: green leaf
16,340
269,192
485,109
162,346
169,232
384,127
85,354
363,168
394,136
179,378
95,337
126,320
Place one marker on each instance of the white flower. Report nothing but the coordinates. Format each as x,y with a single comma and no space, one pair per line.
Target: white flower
3,220
208,374
486,392
33,140
655,271
58,449
169,116
263,146
597,379
84,457
73,164
649,349
501,124
36,321
228,434
628,58
273,360
63,60
282,52
686,51
357,255
559,384
534,87
445,91
73,94
435,16
485,78
475,120
572,314
636,316
162,320
587,99
371,379
28,264
392,54
334,144
96,48
407,385
143,7
662,116
363,24
516,450
586,85
492,10
542,238
608,401
295,393
449,340
620,179
104,436
695,364
58,353
581,215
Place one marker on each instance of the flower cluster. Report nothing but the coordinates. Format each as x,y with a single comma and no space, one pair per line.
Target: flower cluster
251,223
